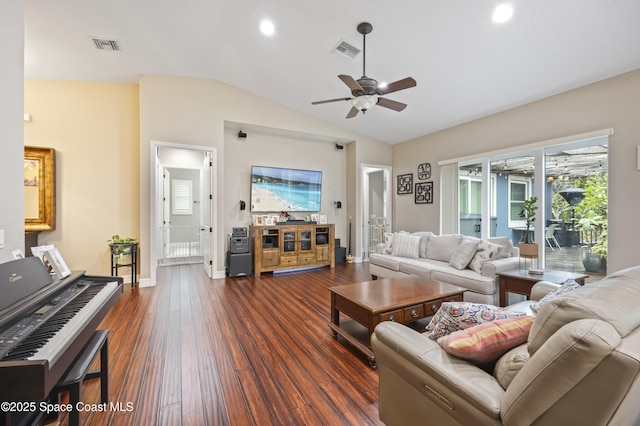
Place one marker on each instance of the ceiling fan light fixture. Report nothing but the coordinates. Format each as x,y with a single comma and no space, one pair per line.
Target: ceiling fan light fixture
364,102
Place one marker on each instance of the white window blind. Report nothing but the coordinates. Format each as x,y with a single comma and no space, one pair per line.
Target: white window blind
182,196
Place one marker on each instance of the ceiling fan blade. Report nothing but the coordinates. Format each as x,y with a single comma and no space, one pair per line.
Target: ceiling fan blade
350,82
405,83
353,112
330,100
394,105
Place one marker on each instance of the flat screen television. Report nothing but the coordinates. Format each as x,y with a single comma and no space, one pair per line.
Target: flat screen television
275,189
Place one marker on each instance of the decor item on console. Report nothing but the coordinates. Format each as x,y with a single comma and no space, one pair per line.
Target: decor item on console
463,261
528,248
582,343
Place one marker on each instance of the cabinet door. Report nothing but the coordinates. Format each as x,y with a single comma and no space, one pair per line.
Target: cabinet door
305,237
288,244
322,253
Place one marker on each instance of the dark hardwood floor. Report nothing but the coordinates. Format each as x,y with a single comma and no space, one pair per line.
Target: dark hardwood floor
235,351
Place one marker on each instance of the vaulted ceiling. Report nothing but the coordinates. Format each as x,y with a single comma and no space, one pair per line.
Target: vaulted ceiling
466,66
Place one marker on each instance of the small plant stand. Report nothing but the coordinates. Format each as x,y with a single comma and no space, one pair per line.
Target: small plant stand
125,255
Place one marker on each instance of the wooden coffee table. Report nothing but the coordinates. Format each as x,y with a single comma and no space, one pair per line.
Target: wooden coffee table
520,281
389,299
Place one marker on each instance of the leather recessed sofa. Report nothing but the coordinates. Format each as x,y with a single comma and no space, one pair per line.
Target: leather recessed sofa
579,366
463,261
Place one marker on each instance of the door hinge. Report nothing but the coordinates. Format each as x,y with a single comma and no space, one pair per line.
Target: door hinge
211,196
210,163
211,229
211,263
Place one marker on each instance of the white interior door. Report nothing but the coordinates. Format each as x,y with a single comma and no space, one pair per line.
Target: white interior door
206,206
166,212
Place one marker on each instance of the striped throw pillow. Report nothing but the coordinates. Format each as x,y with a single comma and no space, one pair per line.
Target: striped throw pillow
487,342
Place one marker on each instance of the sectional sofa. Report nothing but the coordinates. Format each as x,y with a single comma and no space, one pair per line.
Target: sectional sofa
464,261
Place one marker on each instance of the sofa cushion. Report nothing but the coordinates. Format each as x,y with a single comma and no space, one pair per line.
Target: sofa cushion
454,316
464,253
420,267
385,260
486,251
405,245
510,364
567,287
487,342
442,247
465,278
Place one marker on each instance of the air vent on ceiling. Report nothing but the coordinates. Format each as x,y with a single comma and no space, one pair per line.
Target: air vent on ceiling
104,44
345,51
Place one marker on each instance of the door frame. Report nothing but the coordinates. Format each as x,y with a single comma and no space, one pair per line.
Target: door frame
365,170
155,201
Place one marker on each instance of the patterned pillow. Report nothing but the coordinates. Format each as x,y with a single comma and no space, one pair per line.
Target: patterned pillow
486,251
405,245
487,342
454,316
567,287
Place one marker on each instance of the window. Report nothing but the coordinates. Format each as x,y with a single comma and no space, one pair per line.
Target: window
470,195
182,196
519,190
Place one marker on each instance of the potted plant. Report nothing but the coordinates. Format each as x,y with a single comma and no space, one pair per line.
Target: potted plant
529,248
121,247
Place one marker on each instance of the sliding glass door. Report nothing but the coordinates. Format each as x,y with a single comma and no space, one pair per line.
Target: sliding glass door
570,181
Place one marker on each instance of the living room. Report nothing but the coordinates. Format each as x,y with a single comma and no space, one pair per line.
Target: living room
103,133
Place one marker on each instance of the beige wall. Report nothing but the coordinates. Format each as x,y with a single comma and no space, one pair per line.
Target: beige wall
94,128
287,151
194,112
612,103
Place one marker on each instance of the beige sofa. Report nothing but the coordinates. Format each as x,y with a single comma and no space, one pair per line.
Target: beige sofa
452,258
581,366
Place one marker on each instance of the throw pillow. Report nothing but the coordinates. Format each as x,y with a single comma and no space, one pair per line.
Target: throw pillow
405,245
567,287
465,252
506,243
442,247
487,342
454,316
486,251
424,240
388,242
510,364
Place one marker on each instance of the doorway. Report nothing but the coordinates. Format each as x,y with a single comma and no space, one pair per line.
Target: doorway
376,206
182,209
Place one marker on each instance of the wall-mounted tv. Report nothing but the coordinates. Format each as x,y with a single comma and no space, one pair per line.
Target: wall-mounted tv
275,189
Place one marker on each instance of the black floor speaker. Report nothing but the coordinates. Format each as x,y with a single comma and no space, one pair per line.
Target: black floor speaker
239,264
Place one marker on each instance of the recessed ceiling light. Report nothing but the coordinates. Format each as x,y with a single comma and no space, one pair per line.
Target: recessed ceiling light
267,27
502,13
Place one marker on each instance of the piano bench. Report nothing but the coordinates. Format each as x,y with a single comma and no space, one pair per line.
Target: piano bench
79,371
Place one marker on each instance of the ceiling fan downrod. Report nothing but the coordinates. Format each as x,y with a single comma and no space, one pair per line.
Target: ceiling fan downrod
364,28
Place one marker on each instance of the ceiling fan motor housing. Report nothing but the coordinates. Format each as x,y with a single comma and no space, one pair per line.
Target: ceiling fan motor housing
369,86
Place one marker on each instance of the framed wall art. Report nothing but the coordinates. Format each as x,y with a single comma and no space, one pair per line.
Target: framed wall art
424,171
424,192
405,184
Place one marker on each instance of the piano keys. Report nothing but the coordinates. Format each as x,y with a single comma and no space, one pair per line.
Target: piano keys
44,324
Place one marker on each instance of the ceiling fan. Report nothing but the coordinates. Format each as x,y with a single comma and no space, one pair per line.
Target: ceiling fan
365,91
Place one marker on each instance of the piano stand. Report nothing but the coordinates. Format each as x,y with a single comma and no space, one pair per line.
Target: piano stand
72,380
